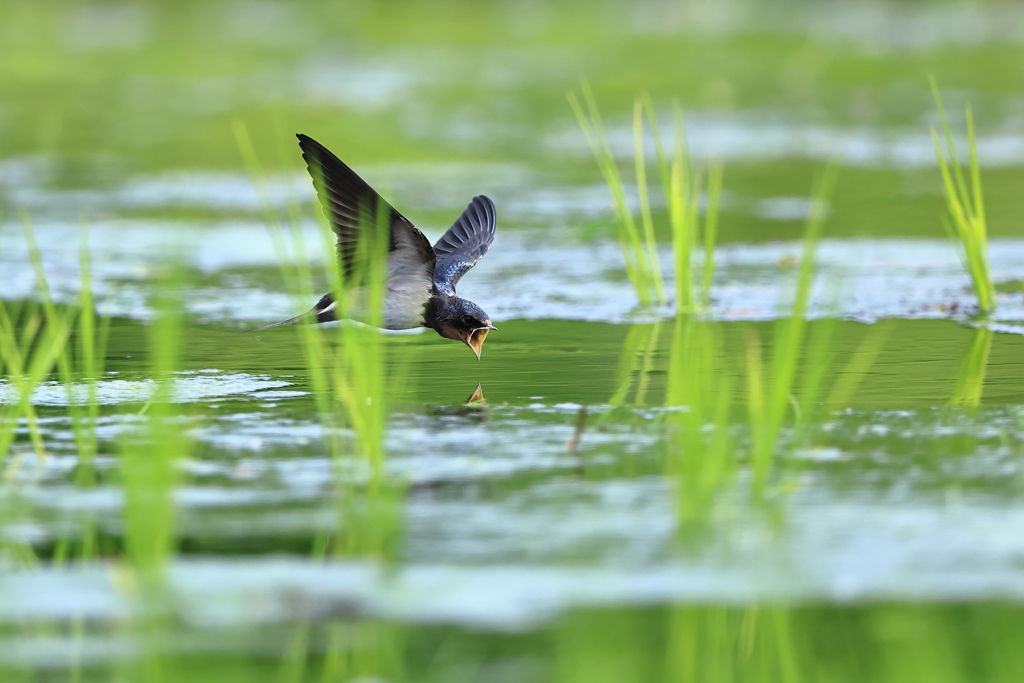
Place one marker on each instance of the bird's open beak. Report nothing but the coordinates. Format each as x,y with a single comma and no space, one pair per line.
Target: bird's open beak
477,337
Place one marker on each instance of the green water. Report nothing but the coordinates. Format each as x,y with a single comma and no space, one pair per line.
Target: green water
537,537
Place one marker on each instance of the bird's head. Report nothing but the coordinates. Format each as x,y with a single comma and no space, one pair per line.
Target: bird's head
465,321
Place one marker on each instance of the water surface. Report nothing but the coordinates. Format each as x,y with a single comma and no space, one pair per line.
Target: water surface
527,538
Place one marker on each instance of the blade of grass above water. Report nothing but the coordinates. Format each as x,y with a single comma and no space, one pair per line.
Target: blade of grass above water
150,456
29,357
701,452
770,402
351,372
83,369
346,368
682,197
638,268
682,190
652,261
965,205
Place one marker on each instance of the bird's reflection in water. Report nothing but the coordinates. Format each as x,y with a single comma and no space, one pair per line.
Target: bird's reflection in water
477,397
475,406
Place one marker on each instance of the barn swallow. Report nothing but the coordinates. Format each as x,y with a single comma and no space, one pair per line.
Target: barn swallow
420,286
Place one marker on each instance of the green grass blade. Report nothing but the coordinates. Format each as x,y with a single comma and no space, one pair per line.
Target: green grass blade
711,228
664,164
682,238
757,407
652,264
612,178
966,206
770,403
979,202
961,184
628,234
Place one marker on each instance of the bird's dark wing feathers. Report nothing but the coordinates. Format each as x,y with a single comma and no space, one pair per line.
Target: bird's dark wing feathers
349,202
464,244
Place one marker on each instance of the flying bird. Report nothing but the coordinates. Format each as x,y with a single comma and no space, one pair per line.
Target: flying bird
421,279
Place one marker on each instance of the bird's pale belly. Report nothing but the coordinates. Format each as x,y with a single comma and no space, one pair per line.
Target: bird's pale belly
403,307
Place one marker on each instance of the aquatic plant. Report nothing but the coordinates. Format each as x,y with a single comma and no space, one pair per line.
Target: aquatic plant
79,366
965,204
33,337
150,454
752,642
30,345
83,365
682,189
640,252
345,362
151,447
635,363
970,374
769,398
700,391
699,395
370,519
778,643
36,338
345,366
849,378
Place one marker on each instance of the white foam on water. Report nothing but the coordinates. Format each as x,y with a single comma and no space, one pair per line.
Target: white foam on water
186,387
845,550
526,275
762,136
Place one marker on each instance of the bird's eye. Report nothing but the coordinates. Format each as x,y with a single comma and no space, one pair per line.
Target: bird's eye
469,321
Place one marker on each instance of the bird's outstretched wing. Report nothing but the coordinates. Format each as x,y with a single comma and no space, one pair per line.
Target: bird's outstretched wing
464,244
352,206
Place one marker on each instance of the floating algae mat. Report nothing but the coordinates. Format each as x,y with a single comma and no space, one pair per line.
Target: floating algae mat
181,500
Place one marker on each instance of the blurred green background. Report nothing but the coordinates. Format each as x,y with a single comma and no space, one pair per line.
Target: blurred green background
434,100
123,113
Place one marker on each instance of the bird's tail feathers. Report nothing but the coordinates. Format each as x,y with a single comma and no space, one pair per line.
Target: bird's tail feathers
289,321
